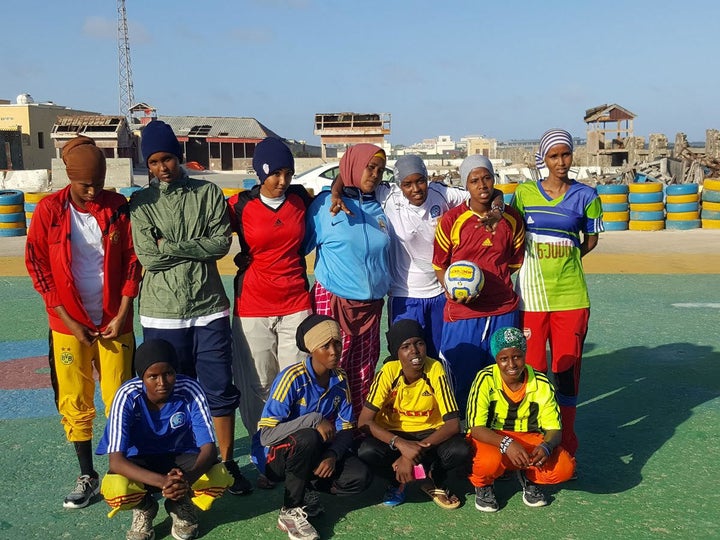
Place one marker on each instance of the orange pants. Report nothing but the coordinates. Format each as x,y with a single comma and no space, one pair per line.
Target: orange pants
489,463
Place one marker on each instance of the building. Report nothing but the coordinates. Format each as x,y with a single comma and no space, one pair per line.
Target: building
481,145
348,128
34,122
218,143
110,133
608,144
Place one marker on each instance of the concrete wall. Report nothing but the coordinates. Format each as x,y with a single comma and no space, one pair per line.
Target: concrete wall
119,173
27,181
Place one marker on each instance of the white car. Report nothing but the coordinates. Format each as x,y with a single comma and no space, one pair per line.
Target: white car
322,176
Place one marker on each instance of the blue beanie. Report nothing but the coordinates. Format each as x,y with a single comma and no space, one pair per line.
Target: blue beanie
157,136
271,154
407,165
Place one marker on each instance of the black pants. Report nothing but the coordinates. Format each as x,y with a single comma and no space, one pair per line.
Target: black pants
295,458
454,453
163,463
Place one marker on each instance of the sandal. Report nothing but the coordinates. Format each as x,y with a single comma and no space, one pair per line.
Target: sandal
442,497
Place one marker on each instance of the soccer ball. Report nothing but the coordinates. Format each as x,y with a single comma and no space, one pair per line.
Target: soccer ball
463,279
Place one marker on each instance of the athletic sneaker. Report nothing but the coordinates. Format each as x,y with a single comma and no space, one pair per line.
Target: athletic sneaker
394,496
184,518
294,522
311,503
485,500
86,488
241,485
532,494
143,515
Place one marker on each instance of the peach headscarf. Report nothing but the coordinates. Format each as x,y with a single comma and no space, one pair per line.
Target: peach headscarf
83,159
354,161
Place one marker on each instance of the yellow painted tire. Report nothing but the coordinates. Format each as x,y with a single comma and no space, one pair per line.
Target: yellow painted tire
711,223
114,190
15,225
614,198
646,187
712,206
680,199
616,216
229,192
11,208
36,196
647,207
658,225
682,216
28,215
712,183
507,188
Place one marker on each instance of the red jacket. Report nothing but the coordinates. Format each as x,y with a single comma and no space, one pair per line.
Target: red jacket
48,257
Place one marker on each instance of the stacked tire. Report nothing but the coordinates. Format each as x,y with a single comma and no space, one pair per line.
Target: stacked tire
614,200
229,192
508,191
681,205
12,213
647,211
711,204
31,200
128,191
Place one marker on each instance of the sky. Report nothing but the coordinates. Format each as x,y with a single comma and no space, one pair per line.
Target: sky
505,70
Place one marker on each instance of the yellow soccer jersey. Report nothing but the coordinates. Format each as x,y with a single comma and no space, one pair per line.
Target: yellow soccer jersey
425,404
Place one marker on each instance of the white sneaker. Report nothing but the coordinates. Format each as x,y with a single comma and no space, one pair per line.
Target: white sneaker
294,522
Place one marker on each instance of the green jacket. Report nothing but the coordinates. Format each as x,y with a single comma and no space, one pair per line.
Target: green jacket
181,279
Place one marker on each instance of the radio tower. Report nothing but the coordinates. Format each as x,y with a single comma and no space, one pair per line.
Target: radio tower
127,94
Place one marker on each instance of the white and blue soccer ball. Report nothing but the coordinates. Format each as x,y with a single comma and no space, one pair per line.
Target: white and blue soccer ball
463,279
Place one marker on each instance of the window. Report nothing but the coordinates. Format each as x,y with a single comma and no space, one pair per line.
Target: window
41,140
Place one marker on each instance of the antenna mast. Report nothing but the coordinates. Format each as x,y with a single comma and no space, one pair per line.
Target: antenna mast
127,94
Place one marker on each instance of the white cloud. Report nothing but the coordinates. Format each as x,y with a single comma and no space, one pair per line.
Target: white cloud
100,27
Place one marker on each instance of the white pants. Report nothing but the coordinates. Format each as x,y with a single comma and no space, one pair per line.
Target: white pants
262,347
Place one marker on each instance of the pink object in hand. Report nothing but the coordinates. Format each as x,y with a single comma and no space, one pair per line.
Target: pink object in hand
419,472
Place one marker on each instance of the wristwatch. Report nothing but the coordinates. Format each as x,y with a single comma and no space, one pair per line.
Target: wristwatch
391,443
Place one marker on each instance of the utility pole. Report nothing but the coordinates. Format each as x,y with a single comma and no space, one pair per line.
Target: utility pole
127,94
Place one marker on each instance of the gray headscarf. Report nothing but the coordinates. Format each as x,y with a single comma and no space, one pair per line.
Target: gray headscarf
473,162
407,165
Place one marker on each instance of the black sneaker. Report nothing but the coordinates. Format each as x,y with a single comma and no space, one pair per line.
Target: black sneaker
86,488
485,500
532,494
311,503
184,518
241,485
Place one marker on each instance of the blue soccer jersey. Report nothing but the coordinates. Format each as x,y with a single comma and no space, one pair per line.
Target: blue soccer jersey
181,426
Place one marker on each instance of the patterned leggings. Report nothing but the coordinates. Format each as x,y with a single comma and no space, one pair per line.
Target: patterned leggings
360,354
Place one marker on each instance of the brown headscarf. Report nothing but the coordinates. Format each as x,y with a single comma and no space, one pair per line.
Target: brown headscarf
83,160
354,161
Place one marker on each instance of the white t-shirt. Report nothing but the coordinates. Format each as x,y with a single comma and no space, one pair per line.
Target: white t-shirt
412,237
88,261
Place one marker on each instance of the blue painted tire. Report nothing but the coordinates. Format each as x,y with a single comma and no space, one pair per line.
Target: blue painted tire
683,225
711,195
30,206
682,207
646,197
611,189
710,214
647,216
13,232
681,189
15,217
508,197
127,191
615,225
11,196
615,207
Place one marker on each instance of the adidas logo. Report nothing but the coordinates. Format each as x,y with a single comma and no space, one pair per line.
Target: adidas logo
426,394
487,243
530,220
278,223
